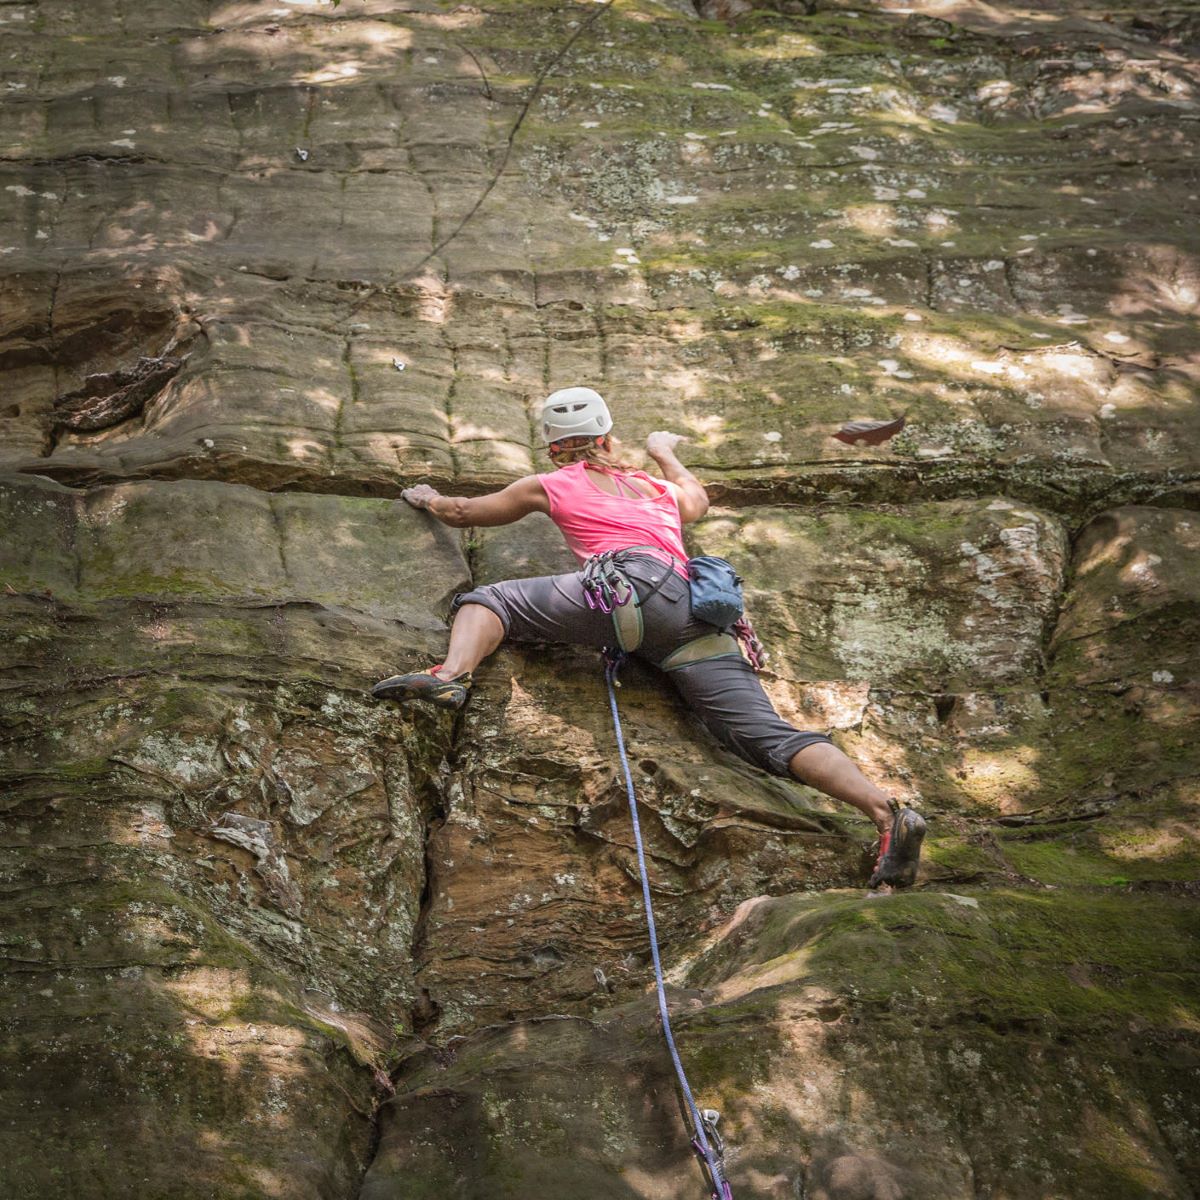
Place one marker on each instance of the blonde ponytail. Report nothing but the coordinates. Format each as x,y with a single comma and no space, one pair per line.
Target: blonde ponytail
588,452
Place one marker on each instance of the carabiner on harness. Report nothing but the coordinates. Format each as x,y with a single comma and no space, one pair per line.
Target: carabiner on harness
603,581
609,589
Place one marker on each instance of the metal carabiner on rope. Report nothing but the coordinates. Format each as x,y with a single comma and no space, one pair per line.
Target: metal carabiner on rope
721,1189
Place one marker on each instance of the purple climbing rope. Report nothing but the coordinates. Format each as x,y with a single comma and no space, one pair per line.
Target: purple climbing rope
708,1155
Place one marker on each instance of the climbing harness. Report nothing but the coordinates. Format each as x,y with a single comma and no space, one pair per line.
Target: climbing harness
608,588
706,1141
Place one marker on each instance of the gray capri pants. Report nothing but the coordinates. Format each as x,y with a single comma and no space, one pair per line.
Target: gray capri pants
723,692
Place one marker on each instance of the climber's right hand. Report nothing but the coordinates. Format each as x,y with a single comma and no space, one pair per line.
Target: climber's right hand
421,496
662,442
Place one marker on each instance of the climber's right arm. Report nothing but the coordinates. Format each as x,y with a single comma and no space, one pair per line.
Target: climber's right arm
468,512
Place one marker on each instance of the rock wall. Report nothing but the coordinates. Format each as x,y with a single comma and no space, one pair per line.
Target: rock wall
263,266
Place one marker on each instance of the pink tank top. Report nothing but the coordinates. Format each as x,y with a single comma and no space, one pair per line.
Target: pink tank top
592,521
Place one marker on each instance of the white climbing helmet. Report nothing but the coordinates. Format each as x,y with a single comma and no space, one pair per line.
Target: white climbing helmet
574,412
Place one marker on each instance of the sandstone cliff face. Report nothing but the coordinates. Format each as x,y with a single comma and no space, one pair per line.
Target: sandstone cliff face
262,266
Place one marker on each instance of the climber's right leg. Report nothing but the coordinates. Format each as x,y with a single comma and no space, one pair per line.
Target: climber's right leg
901,830
823,766
547,608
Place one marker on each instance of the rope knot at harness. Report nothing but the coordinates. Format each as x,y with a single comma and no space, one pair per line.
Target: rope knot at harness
706,1141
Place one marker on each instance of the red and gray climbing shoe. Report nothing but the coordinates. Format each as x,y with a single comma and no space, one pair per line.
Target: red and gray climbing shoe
425,685
899,849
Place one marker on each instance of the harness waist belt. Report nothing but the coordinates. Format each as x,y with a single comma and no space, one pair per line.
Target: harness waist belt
701,649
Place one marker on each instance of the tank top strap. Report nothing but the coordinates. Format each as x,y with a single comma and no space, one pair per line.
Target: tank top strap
625,488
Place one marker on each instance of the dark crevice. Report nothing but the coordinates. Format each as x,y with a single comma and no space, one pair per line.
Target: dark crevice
111,397
534,91
435,805
1075,495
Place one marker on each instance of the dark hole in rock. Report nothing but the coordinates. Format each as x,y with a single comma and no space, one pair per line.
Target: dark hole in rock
425,1012
546,958
13,410
945,706
94,348
108,398
648,765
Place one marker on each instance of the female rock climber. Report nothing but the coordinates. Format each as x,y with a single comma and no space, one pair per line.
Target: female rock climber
601,505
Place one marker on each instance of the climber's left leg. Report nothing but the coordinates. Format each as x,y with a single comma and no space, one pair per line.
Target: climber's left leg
475,634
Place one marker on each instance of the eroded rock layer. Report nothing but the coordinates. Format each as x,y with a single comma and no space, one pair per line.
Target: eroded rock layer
264,265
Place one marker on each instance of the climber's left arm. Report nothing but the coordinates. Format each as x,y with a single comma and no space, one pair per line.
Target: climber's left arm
499,508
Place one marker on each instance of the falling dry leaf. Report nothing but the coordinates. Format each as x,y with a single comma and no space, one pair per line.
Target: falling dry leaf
870,433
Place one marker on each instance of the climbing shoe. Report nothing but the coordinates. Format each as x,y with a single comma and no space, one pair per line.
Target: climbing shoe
425,685
899,849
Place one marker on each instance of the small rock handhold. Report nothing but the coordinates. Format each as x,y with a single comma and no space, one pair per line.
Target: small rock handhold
301,154
398,364
870,433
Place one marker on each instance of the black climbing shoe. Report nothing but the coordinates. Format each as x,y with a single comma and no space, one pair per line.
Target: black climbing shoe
425,685
899,849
